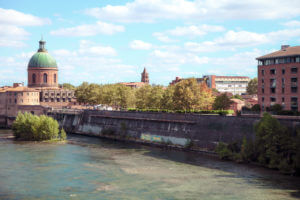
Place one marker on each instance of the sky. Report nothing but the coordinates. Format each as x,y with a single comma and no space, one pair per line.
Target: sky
110,41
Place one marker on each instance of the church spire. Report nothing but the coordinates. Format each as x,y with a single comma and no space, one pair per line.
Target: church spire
145,76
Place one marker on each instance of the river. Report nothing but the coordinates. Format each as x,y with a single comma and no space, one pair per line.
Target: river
91,168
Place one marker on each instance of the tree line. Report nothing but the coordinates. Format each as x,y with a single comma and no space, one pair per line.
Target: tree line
185,95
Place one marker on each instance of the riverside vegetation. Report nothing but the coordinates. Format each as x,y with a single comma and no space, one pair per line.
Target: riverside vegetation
275,147
37,128
187,95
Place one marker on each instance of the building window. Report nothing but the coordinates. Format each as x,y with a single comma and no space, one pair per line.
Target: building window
272,71
263,99
294,103
273,90
294,70
45,78
282,90
262,90
272,83
273,99
297,59
54,78
58,99
15,100
262,80
33,78
282,99
294,89
283,71
262,72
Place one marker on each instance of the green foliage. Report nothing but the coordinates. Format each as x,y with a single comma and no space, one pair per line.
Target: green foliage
237,96
276,108
223,151
37,128
189,95
274,143
256,108
63,134
68,86
252,86
275,147
222,102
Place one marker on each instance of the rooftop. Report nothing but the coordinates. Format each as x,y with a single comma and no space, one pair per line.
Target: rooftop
17,89
283,52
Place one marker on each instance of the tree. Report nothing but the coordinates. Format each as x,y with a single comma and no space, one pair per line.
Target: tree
237,96
142,94
274,144
206,98
68,86
167,98
154,99
186,94
222,102
252,86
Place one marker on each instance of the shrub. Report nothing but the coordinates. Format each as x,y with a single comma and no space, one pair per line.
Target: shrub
32,127
63,134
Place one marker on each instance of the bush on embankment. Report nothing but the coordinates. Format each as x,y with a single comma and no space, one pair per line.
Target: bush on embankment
217,112
275,147
37,128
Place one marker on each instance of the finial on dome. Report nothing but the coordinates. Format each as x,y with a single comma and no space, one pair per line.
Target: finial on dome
42,45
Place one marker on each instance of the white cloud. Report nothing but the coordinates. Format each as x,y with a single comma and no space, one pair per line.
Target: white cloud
194,30
140,45
89,30
153,10
190,31
162,37
293,23
88,48
13,17
238,39
11,21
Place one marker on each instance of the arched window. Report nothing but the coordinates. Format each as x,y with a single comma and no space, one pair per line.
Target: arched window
45,78
33,78
54,78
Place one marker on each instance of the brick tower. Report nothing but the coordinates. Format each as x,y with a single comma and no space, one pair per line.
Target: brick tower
145,76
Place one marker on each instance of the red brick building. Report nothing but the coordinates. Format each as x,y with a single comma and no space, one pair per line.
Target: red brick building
278,75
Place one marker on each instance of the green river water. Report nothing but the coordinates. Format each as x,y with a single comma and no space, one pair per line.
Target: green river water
91,168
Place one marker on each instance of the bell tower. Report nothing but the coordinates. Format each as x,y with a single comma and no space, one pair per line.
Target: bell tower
145,76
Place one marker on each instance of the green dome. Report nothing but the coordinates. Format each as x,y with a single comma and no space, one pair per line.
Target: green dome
42,59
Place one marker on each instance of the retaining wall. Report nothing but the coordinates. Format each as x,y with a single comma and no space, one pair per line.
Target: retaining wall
205,131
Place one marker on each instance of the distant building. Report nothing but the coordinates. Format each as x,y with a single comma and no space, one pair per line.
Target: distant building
19,98
229,84
278,75
144,80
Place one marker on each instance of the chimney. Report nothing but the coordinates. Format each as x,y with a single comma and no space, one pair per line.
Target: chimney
284,47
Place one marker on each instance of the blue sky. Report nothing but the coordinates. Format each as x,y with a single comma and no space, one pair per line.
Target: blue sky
112,41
